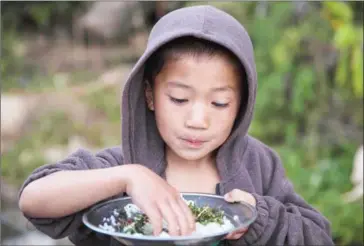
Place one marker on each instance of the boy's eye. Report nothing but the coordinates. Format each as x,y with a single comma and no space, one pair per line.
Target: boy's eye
177,100
220,105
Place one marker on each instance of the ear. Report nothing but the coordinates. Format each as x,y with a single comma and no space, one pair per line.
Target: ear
149,96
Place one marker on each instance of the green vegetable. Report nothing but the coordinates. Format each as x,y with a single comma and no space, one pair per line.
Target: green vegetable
206,214
203,215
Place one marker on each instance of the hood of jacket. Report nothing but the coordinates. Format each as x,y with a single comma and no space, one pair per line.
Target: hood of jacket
141,141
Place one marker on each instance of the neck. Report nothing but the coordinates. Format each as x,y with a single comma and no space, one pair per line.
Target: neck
177,163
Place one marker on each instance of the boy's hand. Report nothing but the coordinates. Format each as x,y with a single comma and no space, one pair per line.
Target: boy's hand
158,200
237,195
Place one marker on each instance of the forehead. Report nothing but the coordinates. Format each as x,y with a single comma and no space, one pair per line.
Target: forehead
200,71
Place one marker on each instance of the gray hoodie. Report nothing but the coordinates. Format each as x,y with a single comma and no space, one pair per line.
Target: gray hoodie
243,162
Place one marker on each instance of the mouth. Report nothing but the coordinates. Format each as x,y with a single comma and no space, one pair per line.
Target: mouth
192,142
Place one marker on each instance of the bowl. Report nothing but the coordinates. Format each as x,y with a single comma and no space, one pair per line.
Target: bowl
240,214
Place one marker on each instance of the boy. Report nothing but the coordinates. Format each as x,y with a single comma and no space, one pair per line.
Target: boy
187,106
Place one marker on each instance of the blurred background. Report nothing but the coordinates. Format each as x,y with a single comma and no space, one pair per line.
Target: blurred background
64,63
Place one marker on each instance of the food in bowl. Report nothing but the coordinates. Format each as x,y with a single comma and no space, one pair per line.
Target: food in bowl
131,220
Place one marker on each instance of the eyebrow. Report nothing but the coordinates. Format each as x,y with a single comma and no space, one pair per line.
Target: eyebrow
184,86
178,85
224,88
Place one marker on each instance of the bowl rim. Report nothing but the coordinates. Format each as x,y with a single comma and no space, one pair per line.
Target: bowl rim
171,238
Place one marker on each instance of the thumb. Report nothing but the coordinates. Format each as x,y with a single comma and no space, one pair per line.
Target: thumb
237,195
229,197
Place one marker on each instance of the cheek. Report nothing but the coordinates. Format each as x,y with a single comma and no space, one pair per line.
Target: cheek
167,115
224,119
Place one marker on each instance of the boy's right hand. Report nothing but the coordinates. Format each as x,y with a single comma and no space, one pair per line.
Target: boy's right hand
158,200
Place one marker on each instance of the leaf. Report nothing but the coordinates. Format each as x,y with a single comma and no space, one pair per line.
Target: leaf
357,70
345,36
340,10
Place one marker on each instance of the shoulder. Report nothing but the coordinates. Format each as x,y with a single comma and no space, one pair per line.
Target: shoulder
84,159
114,151
113,155
266,155
263,162
258,154
257,146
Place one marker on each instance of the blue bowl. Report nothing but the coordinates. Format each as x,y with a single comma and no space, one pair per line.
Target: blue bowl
244,212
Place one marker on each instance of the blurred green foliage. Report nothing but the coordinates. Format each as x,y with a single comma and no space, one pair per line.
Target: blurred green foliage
20,19
309,108
44,16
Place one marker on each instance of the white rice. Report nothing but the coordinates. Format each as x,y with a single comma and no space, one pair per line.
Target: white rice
110,223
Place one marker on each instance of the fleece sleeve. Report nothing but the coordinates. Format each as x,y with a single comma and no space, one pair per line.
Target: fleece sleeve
284,218
80,160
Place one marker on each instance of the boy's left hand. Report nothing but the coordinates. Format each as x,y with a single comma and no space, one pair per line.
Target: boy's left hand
237,195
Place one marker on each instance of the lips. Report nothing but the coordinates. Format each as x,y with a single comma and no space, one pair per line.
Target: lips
194,142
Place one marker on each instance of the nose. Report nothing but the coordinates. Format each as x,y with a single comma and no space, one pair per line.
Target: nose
197,117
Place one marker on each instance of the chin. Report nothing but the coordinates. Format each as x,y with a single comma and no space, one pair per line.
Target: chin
193,155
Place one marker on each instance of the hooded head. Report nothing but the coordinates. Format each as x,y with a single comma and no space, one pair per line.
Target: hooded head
192,91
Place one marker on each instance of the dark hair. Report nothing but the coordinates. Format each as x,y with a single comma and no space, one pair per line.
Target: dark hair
194,47
188,46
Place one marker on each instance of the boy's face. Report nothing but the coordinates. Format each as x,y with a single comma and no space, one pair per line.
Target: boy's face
195,100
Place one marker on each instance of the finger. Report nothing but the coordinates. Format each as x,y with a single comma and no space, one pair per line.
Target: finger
230,236
181,217
155,217
229,198
237,195
240,231
236,234
188,214
234,195
170,216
